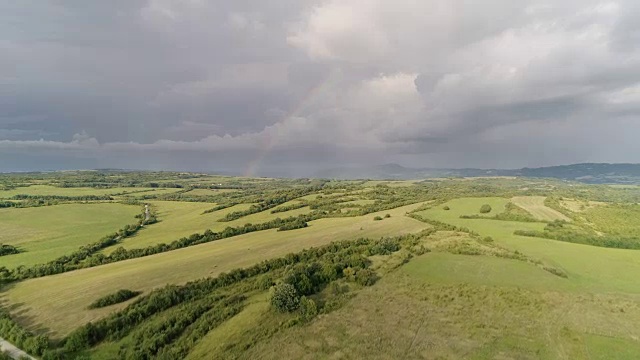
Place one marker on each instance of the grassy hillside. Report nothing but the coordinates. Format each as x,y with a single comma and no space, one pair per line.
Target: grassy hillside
445,277
45,233
595,268
47,190
456,306
59,302
181,219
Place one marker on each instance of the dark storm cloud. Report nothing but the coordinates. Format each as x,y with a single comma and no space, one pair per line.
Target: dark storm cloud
221,85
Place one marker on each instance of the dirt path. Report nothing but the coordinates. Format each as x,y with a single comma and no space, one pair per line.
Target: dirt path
13,351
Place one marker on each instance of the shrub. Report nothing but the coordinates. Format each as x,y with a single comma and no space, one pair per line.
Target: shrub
285,298
115,298
266,282
446,208
366,277
377,218
8,250
308,308
292,225
556,271
485,209
387,216
349,273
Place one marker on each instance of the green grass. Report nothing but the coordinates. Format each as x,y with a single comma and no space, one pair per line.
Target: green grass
444,306
46,233
44,190
181,219
621,220
57,304
606,348
484,270
177,220
232,330
536,207
358,202
208,192
589,268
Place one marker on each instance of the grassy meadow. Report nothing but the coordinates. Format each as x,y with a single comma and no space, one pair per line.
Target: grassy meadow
444,306
58,303
46,233
48,190
180,219
596,268
457,284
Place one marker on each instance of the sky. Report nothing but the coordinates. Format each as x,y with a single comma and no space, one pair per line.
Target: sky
293,86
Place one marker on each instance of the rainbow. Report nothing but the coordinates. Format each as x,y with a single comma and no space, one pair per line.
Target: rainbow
269,137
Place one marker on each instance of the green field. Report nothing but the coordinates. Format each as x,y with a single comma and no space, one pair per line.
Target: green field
462,286
46,190
209,192
59,302
444,306
181,219
595,269
46,233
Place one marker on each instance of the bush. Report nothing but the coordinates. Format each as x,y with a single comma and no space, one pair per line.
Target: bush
366,277
387,216
485,209
308,308
285,298
487,239
266,282
8,250
115,298
446,208
377,218
349,273
292,225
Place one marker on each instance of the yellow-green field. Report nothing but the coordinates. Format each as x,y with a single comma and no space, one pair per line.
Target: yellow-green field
208,192
57,304
45,190
536,207
476,291
181,219
48,232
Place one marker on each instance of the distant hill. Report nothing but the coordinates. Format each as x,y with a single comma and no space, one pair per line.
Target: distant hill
595,173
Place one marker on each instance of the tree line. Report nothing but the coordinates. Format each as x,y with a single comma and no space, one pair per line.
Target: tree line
89,256
199,306
119,296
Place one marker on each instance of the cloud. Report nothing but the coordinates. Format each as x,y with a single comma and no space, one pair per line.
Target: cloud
310,83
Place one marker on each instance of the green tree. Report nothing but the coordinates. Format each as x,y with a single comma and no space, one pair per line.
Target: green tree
485,209
285,298
366,277
308,308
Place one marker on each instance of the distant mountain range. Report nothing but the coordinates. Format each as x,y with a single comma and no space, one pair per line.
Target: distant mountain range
595,173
